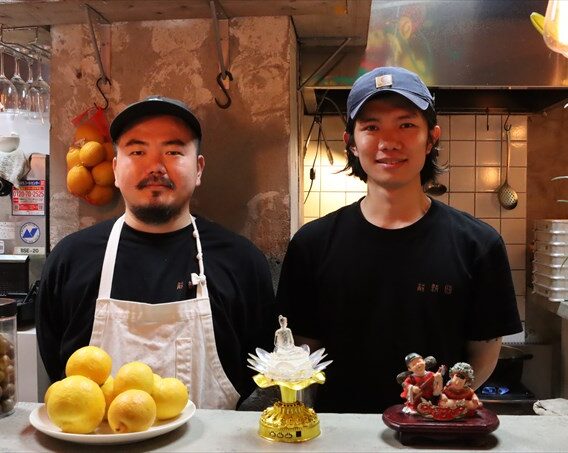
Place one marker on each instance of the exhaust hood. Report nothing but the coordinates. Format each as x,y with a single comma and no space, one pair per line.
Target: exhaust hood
475,55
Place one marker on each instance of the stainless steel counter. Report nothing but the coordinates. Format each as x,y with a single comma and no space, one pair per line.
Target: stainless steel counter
215,430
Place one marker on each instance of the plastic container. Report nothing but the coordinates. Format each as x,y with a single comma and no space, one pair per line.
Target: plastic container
552,248
559,237
560,283
8,337
550,271
555,225
554,295
551,260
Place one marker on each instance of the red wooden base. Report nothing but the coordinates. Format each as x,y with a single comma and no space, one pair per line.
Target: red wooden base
410,427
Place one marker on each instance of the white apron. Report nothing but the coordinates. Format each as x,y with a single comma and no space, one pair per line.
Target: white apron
175,339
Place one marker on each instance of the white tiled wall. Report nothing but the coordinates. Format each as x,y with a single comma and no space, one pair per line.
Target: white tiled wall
475,148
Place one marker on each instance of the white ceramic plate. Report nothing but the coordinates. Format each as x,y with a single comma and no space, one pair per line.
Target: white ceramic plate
103,434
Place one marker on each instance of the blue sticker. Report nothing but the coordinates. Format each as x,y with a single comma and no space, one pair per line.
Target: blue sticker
29,233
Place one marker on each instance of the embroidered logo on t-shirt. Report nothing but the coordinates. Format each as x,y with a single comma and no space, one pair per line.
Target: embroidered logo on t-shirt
434,288
179,285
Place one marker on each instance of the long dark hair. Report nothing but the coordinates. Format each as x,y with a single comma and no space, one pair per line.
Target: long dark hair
431,167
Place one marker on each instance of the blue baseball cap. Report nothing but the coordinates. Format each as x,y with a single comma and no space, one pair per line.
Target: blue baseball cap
153,106
388,79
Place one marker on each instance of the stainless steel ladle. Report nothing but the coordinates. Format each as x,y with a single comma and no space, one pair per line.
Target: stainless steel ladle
436,189
506,195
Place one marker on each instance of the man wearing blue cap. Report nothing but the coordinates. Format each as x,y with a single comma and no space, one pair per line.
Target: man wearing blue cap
158,284
396,271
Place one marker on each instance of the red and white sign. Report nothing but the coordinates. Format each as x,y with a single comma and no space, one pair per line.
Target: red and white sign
29,198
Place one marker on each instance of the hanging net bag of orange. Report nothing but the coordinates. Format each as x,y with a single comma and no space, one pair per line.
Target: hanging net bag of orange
89,159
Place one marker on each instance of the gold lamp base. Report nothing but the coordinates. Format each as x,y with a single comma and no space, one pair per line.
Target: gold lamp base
289,422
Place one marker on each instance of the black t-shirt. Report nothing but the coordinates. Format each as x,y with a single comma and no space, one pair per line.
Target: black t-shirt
156,268
373,295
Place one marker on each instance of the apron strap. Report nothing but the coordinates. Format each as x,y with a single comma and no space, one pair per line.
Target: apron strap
109,261
107,272
200,279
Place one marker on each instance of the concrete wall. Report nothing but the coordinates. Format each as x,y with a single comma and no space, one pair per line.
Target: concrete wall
246,185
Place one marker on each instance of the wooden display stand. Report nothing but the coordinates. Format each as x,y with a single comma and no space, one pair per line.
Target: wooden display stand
410,428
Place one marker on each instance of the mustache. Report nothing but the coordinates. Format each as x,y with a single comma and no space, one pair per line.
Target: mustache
155,179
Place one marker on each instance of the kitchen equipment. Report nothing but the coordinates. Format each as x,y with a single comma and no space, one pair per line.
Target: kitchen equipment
8,343
503,392
435,189
508,198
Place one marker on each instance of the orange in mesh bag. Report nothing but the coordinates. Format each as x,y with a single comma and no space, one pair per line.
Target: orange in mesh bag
89,159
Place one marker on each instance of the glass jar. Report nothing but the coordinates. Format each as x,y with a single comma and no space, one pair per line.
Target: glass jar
8,337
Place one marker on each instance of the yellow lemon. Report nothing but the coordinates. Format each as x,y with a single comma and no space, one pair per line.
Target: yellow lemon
131,411
157,379
79,181
88,133
108,392
72,158
100,195
49,390
171,397
76,405
91,362
92,153
134,375
103,173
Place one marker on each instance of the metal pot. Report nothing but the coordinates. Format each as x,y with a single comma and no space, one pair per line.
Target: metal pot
509,368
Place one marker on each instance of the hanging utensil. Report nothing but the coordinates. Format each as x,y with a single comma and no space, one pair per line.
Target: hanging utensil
435,189
507,197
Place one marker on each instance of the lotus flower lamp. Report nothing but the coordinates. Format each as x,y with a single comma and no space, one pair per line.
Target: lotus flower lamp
292,368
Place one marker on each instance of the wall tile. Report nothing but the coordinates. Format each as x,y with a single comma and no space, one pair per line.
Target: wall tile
521,302
481,130
518,127
518,179
518,154
462,127
495,223
514,231
516,253
463,202
462,179
488,154
487,206
519,281
463,153
487,179
331,201
444,123
444,152
312,204
330,180
354,184
352,197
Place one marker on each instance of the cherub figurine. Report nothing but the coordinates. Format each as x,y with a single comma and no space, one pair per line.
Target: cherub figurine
420,386
457,392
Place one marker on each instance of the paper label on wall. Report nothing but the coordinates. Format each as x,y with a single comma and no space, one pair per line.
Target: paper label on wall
29,198
7,230
29,250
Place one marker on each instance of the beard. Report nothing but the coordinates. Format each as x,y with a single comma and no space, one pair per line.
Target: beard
156,214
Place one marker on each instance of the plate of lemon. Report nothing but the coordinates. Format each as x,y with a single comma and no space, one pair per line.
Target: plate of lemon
92,406
103,434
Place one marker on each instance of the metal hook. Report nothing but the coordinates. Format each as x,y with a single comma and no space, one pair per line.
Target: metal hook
506,126
220,83
102,79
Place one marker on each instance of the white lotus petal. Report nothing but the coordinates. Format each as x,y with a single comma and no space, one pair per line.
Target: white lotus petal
322,365
263,354
317,355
